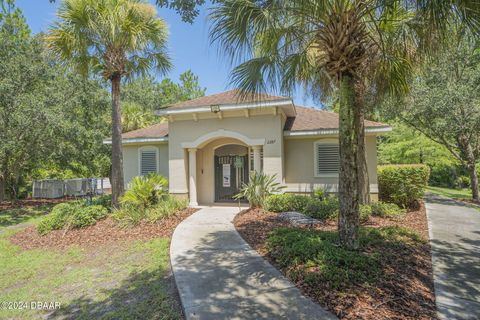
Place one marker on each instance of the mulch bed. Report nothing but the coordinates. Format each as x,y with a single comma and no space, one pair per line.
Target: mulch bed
104,231
404,292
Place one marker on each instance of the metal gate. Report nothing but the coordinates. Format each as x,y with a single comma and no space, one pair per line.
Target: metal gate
231,172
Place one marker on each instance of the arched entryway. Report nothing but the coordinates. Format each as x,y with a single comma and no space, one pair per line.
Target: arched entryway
201,162
231,167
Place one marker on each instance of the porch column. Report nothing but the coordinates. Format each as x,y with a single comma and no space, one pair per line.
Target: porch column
192,181
256,159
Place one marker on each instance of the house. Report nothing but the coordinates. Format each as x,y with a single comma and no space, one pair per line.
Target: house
208,146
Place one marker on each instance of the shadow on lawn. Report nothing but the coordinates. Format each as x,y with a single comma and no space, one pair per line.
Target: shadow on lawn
144,295
13,216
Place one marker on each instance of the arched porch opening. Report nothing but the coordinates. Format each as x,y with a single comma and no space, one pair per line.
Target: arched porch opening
208,182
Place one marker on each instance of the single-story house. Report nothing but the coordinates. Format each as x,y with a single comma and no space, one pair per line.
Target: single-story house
208,146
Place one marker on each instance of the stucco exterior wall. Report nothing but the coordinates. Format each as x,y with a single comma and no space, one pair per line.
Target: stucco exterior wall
131,156
299,165
266,127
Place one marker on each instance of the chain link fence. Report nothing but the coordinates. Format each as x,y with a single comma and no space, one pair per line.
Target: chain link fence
56,188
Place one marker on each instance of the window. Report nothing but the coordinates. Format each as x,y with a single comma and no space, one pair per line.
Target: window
148,160
327,159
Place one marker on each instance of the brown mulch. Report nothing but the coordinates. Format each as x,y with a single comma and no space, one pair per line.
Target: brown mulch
405,290
104,231
30,203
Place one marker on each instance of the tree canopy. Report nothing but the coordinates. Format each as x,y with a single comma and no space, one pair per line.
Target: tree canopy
52,119
444,102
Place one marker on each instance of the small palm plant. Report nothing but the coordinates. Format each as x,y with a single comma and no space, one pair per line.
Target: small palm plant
145,191
259,187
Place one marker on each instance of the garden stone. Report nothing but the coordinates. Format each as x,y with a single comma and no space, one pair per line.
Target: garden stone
297,218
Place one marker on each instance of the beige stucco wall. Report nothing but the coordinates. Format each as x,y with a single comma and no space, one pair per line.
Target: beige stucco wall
265,127
291,159
131,167
299,165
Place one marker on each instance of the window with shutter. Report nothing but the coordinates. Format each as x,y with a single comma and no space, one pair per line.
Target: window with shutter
327,159
148,162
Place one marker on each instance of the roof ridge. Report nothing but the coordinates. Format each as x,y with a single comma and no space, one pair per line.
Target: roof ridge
232,96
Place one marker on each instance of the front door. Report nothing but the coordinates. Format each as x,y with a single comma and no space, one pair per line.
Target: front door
231,172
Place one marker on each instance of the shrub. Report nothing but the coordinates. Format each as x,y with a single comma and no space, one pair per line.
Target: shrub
286,202
319,193
384,210
402,184
86,216
311,206
462,182
322,209
259,187
444,174
145,191
104,201
71,215
130,214
58,217
166,208
316,259
365,212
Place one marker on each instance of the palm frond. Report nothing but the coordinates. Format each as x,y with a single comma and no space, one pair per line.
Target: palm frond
124,37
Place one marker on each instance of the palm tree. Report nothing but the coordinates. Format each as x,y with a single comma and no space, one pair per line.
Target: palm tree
117,39
345,48
135,117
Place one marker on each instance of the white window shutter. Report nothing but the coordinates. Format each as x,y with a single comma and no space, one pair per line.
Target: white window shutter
148,162
250,158
328,159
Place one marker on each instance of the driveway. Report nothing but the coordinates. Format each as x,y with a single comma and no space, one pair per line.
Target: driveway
219,276
455,238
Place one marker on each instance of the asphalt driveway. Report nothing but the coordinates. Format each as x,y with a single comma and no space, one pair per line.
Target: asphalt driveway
455,238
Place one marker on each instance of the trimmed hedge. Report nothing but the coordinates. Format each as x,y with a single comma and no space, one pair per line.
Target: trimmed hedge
402,184
310,206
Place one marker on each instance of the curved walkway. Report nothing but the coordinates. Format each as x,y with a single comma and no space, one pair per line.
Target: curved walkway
219,276
455,238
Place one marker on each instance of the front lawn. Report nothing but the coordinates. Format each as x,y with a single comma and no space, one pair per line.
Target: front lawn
451,193
101,271
23,211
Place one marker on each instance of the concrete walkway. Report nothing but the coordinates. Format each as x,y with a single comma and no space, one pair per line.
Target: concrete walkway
219,276
455,238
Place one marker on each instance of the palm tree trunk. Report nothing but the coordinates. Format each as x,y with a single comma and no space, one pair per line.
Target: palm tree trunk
359,114
348,218
117,155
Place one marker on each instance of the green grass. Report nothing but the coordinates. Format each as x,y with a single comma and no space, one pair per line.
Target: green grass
120,280
314,257
451,193
21,215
